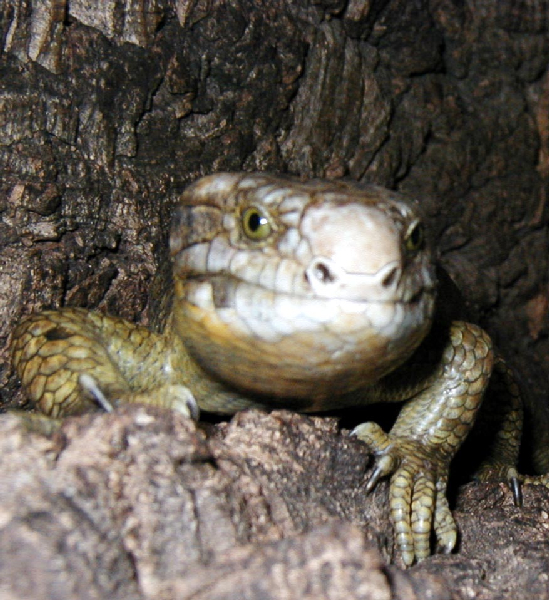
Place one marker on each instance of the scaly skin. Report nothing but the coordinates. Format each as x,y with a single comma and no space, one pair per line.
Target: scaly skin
305,296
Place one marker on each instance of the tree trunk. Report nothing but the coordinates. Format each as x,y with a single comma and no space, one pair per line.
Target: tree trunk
109,108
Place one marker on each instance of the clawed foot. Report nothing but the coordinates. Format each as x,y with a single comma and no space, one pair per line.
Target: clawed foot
176,397
418,500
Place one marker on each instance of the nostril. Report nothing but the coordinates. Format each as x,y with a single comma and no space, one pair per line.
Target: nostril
390,278
323,273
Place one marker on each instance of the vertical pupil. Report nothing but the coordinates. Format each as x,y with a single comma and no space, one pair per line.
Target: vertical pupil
255,221
416,236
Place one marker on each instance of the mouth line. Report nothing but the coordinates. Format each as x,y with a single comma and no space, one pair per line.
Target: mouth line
222,292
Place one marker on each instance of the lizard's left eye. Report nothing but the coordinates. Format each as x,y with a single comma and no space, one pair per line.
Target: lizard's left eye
415,237
256,224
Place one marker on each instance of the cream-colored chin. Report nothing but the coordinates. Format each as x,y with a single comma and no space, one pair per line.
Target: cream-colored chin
312,348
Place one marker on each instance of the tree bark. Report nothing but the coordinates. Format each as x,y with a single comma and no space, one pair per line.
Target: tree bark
108,109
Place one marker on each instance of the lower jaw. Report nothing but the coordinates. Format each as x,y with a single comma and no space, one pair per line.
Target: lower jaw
302,367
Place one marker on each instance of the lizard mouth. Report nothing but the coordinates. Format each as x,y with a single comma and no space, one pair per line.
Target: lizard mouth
320,294
258,302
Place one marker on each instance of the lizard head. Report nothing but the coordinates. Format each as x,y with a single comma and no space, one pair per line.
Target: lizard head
304,290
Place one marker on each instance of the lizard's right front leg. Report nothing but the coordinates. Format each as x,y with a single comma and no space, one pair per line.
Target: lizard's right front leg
72,361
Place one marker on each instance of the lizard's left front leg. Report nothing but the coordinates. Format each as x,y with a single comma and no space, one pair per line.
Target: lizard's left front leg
427,434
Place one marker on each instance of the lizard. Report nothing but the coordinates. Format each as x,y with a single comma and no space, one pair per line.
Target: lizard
309,296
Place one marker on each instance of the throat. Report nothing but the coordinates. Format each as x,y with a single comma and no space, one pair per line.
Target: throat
321,350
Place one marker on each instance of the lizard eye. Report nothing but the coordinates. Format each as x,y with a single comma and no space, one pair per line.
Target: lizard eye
256,224
415,237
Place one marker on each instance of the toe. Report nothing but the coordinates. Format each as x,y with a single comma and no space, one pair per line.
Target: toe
400,504
422,516
444,524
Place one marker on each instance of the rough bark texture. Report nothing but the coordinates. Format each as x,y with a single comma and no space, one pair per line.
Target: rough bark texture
107,110
142,504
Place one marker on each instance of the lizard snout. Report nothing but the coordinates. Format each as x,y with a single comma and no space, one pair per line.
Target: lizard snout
328,279
356,252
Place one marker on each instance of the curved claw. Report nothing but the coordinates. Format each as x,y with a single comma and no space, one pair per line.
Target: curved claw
385,465
90,387
379,443
516,488
182,400
494,471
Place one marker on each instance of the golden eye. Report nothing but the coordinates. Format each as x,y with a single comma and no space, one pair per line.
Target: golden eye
415,237
256,224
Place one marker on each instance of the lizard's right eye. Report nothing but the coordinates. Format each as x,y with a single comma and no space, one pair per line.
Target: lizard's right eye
256,224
